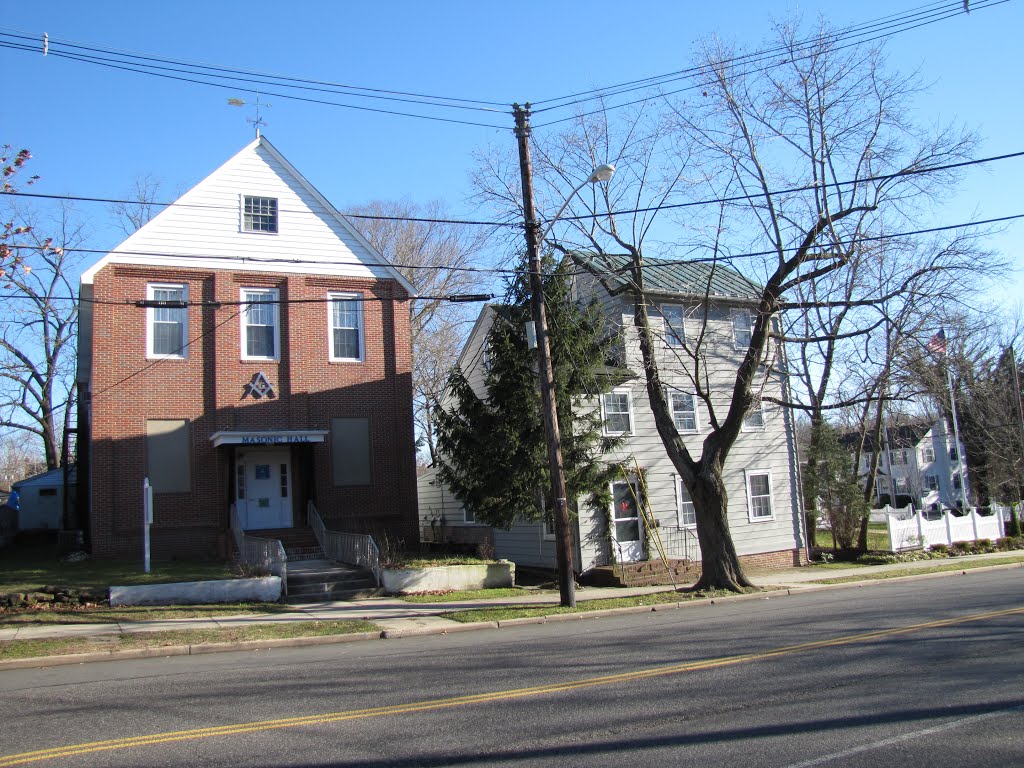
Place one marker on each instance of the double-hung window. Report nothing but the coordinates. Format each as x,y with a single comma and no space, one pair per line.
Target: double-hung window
259,214
931,482
260,332
898,458
754,420
618,413
346,318
759,494
927,454
687,515
742,329
684,410
167,326
674,324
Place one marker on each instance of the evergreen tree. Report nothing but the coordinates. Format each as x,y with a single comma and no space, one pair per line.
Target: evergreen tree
829,488
493,453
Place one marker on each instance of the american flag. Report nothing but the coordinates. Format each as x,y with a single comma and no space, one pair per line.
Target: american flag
937,343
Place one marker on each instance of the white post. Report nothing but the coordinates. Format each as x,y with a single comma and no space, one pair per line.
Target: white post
147,519
919,517
974,521
948,517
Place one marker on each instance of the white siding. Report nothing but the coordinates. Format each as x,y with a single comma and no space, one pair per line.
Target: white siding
203,228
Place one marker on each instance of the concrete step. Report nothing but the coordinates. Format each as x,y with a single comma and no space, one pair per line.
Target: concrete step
324,580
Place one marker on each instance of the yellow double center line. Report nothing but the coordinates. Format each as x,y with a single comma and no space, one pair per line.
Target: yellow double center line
74,750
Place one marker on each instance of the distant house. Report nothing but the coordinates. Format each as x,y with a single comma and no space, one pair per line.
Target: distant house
919,464
247,350
41,499
761,472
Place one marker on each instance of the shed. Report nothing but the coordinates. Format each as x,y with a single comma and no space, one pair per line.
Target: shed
41,499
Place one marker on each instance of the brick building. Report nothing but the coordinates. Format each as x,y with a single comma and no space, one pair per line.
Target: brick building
246,347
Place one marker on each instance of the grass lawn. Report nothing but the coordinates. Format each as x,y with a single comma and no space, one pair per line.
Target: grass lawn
878,537
939,567
512,612
471,594
106,615
22,649
31,566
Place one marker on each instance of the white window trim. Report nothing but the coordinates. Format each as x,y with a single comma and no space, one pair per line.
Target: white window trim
744,427
679,506
924,455
332,297
669,391
629,405
275,296
680,330
749,317
241,215
748,473
151,288
545,536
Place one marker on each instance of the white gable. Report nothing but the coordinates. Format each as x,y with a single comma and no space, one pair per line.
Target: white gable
203,229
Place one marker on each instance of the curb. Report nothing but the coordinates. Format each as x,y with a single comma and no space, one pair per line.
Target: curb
453,626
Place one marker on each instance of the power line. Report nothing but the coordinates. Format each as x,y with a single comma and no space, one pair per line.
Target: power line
655,80
650,209
53,45
751,71
513,271
213,207
262,91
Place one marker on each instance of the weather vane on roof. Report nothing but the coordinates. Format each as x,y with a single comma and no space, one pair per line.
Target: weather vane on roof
258,120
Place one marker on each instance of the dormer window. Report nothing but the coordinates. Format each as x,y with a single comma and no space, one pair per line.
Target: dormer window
259,214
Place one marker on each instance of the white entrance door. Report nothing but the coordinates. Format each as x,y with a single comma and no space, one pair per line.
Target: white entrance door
263,490
627,526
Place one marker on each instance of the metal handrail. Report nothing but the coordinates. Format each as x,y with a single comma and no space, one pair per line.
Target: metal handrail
262,555
353,548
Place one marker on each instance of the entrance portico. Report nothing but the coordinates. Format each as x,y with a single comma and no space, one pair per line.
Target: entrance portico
264,473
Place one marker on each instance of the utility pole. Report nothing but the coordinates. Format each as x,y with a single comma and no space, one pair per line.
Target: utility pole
563,537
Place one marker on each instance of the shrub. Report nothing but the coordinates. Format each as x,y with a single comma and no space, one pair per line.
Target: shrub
982,545
939,549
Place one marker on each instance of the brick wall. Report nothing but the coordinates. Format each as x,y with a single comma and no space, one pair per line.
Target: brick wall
208,388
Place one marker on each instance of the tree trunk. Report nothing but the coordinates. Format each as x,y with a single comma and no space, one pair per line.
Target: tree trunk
720,565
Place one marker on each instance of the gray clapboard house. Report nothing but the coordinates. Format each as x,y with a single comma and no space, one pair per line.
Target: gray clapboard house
702,313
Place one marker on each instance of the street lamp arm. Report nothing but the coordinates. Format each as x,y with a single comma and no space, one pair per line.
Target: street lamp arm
601,173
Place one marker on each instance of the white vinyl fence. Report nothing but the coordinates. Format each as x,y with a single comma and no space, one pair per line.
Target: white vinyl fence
917,531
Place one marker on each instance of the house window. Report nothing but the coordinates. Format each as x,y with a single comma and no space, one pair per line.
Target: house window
927,455
742,328
931,482
259,214
902,484
674,330
618,413
759,494
167,327
957,482
346,316
898,458
687,515
952,453
754,420
259,323
684,410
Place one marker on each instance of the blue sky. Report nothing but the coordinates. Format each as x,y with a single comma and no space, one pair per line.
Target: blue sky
92,130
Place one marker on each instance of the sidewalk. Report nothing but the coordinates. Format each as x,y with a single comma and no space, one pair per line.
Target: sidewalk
399,618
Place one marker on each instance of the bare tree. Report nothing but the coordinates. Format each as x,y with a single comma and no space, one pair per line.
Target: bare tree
812,158
439,259
141,205
38,323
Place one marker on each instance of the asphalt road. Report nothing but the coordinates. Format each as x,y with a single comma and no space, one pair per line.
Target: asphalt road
924,672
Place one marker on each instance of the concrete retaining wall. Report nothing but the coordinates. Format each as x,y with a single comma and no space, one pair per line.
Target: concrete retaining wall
448,577
266,589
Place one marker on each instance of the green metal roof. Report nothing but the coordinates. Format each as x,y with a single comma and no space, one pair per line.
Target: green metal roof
665,276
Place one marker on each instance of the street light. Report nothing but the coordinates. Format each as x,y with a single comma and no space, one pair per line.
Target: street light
563,537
